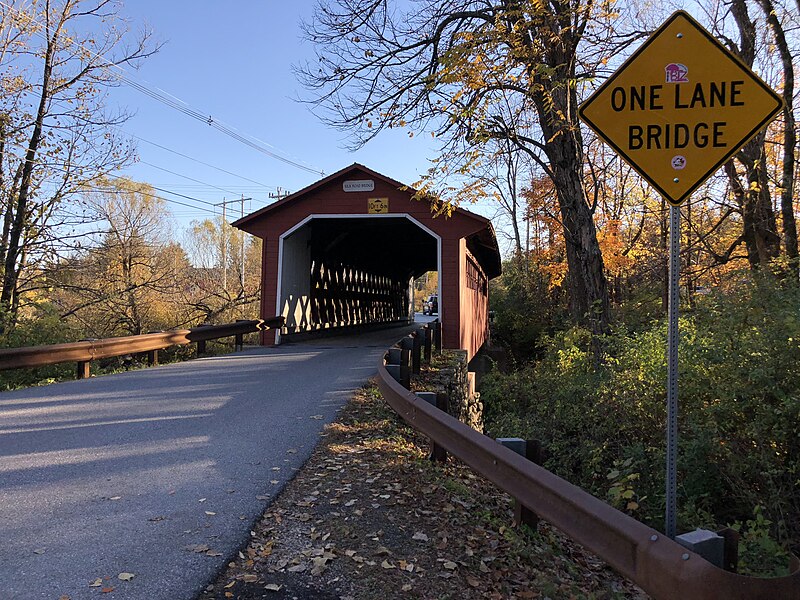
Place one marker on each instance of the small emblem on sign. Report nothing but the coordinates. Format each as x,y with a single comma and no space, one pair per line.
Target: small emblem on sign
678,162
676,73
359,185
378,206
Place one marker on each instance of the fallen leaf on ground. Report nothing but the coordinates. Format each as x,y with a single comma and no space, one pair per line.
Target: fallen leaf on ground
320,564
39,551
273,587
198,548
450,565
126,576
250,578
106,590
210,514
387,565
96,583
115,498
420,537
317,417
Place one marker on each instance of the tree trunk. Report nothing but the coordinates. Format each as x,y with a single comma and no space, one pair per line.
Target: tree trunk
18,224
760,228
740,197
789,136
587,282
557,107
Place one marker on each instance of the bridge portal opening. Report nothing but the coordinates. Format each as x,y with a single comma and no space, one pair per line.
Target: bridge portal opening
342,271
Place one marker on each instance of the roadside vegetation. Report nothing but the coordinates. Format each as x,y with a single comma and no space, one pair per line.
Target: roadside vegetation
85,253
604,423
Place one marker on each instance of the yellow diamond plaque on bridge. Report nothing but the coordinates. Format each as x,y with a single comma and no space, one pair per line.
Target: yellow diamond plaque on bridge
680,107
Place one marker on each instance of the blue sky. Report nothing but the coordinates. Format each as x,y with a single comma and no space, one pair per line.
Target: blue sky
232,61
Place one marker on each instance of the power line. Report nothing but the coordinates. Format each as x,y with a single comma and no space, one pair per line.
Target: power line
170,200
176,103
144,162
197,160
119,177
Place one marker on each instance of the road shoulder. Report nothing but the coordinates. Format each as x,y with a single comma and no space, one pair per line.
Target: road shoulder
368,516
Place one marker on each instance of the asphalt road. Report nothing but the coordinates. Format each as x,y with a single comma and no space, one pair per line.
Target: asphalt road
139,472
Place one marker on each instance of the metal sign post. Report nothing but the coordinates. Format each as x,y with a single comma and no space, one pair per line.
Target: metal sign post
672,370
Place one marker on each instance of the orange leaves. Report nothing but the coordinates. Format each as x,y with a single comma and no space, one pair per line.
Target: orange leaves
612,245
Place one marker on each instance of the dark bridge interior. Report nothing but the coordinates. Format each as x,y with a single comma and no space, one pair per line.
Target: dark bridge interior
388,246
352,271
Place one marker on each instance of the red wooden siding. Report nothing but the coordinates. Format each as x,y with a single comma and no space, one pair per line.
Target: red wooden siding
463,309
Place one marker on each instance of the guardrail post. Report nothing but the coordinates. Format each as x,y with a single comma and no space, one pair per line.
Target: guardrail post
437,336
393,361
201,344
84,369
437,454
428,332
152,355
416,352
406,345
705,543
238,344
731,555
532,450
405,369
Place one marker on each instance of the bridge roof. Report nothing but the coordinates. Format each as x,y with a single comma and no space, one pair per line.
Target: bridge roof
482,242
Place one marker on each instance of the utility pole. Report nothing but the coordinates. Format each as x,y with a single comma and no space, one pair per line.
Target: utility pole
241,271
224,241
224,247
280,195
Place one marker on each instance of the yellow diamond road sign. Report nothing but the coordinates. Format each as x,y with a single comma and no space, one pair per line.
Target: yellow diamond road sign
680,107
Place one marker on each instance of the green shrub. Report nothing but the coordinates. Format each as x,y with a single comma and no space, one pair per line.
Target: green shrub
43,328
525,309
739,413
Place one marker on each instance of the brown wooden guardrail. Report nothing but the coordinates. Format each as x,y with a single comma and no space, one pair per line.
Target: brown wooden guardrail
84,352
663,568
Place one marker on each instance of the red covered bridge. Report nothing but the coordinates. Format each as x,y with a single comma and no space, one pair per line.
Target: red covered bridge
345,251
